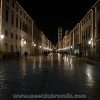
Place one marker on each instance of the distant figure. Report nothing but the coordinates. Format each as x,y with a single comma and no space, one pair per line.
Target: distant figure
18,54
25,54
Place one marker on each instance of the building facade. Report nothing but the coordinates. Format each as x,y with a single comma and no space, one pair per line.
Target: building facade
18,31
97,28
15,28
60,32
84,38
46,44
86,31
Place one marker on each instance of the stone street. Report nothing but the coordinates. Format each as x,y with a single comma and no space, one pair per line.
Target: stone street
53,74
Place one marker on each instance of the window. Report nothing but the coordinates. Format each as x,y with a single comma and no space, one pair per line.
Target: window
27,18
20,12
6,33
16,36
7,14
25,27
86,33
89,31
98,29
12,18
11,35
16,21
17,9
98,7
20,23
99,26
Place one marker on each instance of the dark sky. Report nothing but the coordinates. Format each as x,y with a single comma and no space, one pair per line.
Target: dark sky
50,14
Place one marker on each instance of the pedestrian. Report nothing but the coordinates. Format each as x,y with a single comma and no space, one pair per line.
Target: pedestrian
25,54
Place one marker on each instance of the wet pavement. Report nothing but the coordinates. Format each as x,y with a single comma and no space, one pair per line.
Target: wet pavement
52,75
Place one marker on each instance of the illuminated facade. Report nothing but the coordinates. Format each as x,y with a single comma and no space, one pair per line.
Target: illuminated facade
97,29
84,38
18,31
46,44
60,31
16,26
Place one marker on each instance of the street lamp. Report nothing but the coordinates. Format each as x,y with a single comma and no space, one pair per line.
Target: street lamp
40,46
24,42
2,36
90,41
1,42
71,47
34,45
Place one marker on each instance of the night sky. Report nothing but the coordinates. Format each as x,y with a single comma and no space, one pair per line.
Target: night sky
50,14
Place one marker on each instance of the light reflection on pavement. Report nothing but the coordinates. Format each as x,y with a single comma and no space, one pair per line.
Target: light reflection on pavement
53,74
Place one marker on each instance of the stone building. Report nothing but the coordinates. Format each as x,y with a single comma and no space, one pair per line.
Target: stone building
15,28
84,38
18,31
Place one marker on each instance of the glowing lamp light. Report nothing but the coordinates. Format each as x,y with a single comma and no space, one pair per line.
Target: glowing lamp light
2,36
71,46
34,45
24,42
91,39
40,46
89,42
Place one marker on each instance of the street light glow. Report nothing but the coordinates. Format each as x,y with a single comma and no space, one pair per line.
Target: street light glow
24,42
89,42
2,36
40,46
91,39
71,46
34,45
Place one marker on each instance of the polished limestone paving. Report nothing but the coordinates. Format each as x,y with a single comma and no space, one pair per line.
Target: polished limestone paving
49,75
